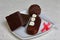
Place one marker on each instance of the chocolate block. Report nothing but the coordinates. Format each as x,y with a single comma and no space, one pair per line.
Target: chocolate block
16,20
25,18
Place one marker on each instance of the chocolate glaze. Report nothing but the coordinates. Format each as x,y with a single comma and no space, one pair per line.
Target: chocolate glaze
34,9
32,30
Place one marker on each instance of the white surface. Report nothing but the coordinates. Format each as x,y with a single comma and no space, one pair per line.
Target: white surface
49,7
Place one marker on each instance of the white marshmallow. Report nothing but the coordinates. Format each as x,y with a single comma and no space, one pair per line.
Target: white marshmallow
32,19
34,15
31,23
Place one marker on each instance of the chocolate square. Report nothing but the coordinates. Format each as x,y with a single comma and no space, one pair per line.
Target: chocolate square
14,20
25,18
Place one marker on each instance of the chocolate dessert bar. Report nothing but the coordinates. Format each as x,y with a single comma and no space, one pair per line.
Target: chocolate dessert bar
35,21
16,20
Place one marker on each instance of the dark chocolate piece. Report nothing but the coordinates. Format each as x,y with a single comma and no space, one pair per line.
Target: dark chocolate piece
16,20
34,9
25,18
32,30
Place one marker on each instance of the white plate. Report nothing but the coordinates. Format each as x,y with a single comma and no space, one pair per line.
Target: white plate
21,32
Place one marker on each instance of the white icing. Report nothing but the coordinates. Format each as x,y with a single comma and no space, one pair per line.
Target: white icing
32,19
31,23
34,15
